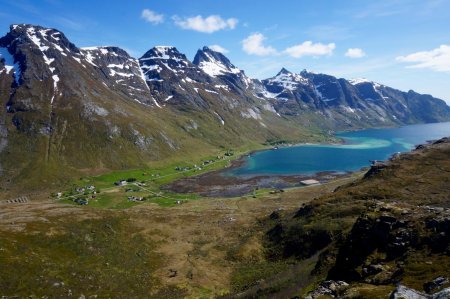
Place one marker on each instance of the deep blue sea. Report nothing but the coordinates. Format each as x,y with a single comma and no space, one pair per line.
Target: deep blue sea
360,147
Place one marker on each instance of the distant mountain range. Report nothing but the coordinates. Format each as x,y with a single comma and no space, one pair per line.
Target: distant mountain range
65,108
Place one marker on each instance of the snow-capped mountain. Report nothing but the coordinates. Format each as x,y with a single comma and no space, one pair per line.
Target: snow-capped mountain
347,102
120,72
67,107
216,65
171,77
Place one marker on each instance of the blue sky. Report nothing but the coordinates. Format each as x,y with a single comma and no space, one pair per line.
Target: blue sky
400,43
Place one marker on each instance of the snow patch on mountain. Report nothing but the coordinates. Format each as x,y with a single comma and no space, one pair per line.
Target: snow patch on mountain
31,32
89,57
102,49
356,81
220,118
222,87
114,73
155,67
270,95
215,67
269,107
288,80
55,87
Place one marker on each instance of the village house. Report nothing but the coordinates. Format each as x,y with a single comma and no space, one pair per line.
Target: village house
120,183
310,182
136,198
80,189
81,201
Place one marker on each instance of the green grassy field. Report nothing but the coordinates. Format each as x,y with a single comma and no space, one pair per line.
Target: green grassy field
146,182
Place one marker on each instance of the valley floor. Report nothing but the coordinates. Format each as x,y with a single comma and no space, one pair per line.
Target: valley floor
192,249
373,230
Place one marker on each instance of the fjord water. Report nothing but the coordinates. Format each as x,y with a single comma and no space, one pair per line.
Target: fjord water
358,149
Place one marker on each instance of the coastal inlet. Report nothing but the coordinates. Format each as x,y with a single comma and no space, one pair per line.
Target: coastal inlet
288,166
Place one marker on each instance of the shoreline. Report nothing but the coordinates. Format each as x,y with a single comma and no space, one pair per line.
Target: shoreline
216,184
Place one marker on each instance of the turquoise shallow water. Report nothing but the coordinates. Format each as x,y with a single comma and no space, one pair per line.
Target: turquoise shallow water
359,148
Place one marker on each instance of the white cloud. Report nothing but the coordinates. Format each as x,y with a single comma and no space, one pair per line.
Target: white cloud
355,53
218,48
253,44
209,24
437,59
152,17
308,48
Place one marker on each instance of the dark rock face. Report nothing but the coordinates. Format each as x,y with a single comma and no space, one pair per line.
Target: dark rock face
383,233
120,72
390,235
304,211
297,242
439,239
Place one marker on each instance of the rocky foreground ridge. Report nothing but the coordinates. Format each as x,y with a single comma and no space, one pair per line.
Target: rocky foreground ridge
385,235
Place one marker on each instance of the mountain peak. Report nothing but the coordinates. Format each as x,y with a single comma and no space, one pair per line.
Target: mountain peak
306,72
166,58
356,81
214,63
163,53
284,71
41,37
111,50
24,27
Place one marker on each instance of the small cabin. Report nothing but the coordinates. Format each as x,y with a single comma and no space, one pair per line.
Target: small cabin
80,189
81,201
309,182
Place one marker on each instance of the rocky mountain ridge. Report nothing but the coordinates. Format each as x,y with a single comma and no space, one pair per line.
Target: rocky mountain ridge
169,75
98,107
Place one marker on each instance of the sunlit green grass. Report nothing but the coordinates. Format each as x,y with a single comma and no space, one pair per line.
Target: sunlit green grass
116,197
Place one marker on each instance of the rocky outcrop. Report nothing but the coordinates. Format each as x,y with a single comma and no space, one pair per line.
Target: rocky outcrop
403,292
435,284
328,288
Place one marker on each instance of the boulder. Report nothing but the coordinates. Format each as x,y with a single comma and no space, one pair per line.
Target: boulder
330,288
435,284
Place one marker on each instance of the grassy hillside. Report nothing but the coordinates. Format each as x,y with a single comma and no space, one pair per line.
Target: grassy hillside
389,227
